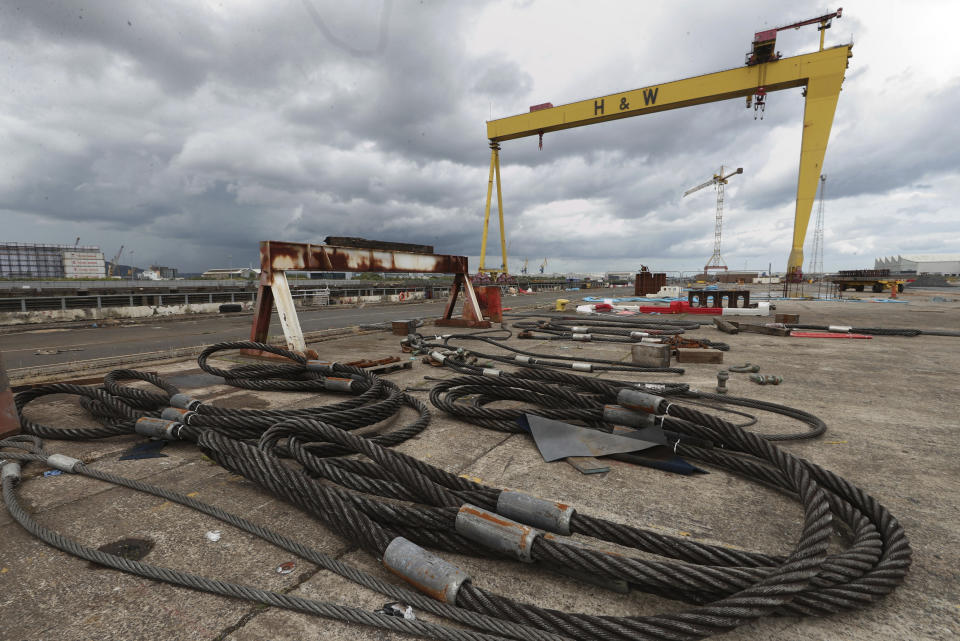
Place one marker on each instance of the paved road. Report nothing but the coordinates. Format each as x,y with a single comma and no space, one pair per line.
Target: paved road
20,349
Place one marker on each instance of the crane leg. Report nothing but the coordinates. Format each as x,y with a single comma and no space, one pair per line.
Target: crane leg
823,90
503,235
486,214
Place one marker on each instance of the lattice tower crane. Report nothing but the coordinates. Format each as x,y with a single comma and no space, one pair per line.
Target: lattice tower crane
719,180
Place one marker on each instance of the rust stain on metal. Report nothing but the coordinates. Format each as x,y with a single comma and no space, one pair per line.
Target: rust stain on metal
283,256
438,594
526,530
487,516
9,419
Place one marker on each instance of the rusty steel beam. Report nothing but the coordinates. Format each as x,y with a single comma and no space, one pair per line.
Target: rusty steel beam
364,243
9,419
283,256
278,257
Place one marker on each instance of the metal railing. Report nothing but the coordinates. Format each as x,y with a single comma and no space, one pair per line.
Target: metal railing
47,303
303,297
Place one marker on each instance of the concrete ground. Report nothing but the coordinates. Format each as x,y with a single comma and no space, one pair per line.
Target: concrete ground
890,404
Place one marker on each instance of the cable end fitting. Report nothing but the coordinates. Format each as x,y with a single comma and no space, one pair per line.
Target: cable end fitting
622,416
424,570
325,367
176,414
10,470
535,512
496,532
640,401
333,384
63,462
185,402
161,428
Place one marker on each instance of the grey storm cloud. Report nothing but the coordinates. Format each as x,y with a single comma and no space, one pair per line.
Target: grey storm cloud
193,130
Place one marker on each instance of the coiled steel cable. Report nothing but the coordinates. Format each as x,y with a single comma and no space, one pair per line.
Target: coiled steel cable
730,586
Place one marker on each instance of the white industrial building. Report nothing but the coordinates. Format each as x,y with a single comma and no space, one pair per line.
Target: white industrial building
39,260
946,264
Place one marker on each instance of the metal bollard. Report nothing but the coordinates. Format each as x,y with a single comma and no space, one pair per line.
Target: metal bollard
722,377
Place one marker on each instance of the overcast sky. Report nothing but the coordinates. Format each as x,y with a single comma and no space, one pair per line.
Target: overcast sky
189,131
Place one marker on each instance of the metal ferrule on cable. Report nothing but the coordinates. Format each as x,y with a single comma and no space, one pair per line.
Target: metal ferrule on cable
160,428
542,514
324,367
10,470
424,570
619,415
177,414
496,532
63,462
640,401
334,384
185,402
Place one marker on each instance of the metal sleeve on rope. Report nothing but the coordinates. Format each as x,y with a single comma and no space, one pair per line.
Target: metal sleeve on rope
10,470
158,428
62,462
496,532
637,400
622,416
535,512
177,414
338,384
424,570
582,367
325,367
185,402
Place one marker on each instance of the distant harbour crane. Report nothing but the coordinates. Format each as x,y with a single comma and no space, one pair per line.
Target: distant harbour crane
113,263
719,180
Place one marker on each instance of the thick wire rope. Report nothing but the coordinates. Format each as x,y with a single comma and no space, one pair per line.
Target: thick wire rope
358,500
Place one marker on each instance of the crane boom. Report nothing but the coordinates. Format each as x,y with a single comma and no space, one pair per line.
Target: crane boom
712,181
820,73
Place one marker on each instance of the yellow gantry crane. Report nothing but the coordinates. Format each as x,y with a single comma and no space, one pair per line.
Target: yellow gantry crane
719,180
820,74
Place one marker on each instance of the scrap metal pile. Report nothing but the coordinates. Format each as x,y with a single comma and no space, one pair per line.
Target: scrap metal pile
408,513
